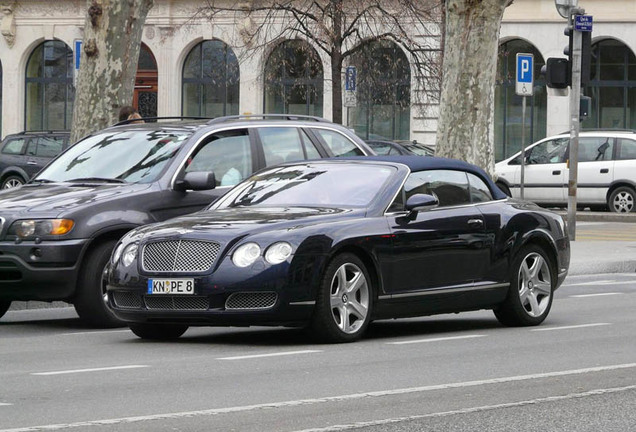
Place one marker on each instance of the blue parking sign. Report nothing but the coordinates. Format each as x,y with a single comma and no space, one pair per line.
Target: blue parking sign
525,78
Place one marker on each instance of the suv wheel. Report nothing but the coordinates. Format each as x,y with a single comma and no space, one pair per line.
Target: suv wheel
12,181
621,200
89,300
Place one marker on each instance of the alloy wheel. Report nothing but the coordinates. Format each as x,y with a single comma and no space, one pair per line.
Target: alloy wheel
349,297
535,284
623,202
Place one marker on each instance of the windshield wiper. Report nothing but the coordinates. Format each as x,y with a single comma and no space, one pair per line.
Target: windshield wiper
96,179
42,181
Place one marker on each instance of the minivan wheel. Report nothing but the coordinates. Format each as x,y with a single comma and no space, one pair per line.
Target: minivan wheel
90,298
12,182
621,200
531,289
4,307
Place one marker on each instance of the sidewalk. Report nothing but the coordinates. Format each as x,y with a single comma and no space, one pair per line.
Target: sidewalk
589,257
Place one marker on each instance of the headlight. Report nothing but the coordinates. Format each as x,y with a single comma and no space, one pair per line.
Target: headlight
278,252
41,227
246,254
117,252
129,254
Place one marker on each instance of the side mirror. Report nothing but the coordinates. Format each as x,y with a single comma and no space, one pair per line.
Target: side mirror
196,181
419,202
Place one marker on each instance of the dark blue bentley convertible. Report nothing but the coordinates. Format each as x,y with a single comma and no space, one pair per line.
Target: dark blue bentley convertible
334,244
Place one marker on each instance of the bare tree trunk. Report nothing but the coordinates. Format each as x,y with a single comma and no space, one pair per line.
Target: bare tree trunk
466,120
112,39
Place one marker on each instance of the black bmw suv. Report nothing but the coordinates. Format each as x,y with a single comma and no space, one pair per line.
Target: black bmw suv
57,231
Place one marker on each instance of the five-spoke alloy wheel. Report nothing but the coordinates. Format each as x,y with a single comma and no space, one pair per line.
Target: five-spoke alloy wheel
621,200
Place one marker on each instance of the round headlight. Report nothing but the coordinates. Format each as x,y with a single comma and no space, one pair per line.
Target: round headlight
246,254
26,228
278,252
129,255
117,252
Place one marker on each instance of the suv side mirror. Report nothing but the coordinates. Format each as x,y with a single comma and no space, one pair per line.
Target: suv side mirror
196,181
419,202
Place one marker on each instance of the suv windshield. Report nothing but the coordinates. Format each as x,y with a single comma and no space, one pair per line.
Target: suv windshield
128,156
311,185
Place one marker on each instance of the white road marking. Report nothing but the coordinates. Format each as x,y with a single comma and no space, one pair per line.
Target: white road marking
355,396
601,282
5,404
94,332
570,327
337,428
596,295
89,370
435,339
285,353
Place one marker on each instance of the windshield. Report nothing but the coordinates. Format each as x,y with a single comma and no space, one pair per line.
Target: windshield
311,185
128,156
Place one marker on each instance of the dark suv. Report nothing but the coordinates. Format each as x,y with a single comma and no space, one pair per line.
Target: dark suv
23,154
57,231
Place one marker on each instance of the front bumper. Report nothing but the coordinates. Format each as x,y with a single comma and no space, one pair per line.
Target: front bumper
43,271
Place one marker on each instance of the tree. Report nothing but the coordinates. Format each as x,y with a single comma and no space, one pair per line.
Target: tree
340,28
466,119
112,39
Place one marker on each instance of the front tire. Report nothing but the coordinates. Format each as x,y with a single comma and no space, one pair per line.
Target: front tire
158,332
4,307
344,301
90,301
532,282
12,181
621,200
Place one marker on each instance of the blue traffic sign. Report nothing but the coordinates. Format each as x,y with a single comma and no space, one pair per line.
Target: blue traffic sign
583,23
525,79
351,76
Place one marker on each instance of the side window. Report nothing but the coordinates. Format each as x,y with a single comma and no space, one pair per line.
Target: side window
548,152
228,154
381,149
595,149
338,144
286,144
626,150
450,187
479,191
14,147
49,147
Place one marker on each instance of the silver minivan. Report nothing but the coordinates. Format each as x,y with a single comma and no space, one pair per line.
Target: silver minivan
606,171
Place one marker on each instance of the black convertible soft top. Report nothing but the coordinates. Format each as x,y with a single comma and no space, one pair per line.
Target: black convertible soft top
423,163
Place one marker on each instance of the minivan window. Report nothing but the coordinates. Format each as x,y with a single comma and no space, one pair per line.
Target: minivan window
136,156
548,152
626,150
595,149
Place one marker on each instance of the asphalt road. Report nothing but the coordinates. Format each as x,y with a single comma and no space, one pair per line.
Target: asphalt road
576,372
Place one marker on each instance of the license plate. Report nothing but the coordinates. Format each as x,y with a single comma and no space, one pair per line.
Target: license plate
170,286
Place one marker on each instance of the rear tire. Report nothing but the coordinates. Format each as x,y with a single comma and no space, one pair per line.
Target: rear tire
12,181
621,200
89,301
4,307
532,282
344,302
158,331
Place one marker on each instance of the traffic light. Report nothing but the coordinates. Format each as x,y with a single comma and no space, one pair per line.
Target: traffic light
557,73
586,54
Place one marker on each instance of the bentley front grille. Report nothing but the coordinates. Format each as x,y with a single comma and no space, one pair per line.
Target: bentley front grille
164,302
127,300
179,256
251,300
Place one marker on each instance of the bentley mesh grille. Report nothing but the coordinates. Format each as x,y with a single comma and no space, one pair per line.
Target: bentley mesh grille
179,256
127,300
251,300
164,302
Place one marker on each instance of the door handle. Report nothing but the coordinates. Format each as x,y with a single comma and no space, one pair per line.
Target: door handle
31,163
475,223
604,170
556,172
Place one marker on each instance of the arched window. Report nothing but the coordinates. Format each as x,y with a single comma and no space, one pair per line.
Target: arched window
49,87
612,86
210,80
508,119
145,96
383,105
293,80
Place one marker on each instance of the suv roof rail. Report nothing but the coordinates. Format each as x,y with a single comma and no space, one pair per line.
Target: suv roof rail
146,119
268,116
603,130
42,131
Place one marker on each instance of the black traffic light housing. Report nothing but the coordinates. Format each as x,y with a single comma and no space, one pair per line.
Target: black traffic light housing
558,71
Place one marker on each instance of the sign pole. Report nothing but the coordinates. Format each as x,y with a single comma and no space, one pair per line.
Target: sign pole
523,142
524,87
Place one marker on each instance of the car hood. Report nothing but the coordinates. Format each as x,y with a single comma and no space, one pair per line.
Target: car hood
58,198
237,222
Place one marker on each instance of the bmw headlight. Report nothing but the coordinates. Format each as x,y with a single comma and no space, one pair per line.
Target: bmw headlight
246,254
278,252
40,227
129,254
